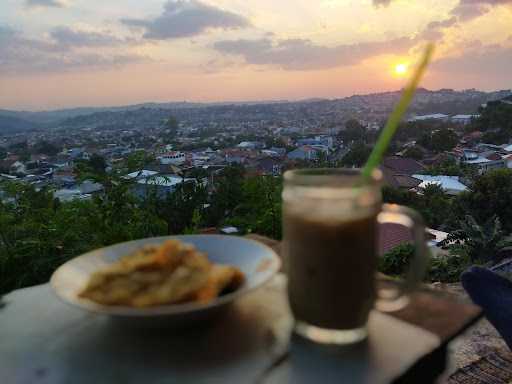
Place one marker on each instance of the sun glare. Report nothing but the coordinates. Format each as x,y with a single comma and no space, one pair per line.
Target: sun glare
401,69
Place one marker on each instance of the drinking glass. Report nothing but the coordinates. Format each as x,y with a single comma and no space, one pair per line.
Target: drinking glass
330,223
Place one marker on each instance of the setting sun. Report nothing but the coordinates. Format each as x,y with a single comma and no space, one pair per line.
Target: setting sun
401,68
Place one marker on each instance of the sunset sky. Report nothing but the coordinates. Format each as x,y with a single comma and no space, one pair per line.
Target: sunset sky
65,53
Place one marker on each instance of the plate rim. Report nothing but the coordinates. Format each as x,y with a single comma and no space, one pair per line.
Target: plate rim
171,309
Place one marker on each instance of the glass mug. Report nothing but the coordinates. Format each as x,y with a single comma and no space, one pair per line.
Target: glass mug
330,246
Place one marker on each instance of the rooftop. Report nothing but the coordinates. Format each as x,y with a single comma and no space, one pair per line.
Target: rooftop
447,183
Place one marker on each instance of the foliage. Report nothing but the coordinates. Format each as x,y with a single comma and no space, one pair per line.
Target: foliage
395,261
496,116
354,131
432,203
181,210
227,195
260,208
414,152
97,164
46,148
37,233
138,160
447,167
439,141
19,148
481,243
447,269
412,130
497,137
491,194
357,156
172,127
399,196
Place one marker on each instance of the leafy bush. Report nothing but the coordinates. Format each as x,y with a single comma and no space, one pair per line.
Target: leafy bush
396,261
445,269
480,243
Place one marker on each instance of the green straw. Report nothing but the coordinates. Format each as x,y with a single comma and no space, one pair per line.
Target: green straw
396,116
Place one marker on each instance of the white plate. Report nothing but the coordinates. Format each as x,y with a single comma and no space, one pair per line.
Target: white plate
257,261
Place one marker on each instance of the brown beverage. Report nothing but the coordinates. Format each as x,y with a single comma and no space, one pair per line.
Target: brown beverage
332,274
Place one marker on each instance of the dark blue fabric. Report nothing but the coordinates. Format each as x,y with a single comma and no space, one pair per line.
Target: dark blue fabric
493,293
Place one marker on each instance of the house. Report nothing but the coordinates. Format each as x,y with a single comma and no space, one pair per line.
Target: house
160,185
280,151
89,187
269,166
391,235
402,165
463,119
483,162
471,137
252,145
173,157
70,194
434,116
451,185
508,160
306,152
397,172
78,154
142,174
325,141
18,167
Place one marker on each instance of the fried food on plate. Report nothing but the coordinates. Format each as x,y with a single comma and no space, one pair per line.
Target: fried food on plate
156,275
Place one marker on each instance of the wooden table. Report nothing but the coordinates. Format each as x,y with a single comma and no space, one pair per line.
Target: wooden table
43,340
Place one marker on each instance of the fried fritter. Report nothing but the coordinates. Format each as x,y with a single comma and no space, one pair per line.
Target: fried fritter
221,278
156,275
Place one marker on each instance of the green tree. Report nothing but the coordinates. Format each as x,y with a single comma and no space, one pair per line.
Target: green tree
259,210
434,205
414,153
172,126
183,209
396,261
447,167
399,196
490,194
97,164
354,131
481,243
46,148
496,116
439,141
356,156
227,195
137,161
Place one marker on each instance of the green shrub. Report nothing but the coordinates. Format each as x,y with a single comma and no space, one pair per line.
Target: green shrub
444,269
447,269
396,261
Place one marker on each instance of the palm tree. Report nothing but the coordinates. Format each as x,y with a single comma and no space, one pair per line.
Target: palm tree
482,243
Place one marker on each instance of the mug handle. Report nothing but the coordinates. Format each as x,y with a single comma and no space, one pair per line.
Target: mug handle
393,297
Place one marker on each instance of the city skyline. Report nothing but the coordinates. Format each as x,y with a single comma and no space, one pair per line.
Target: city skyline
68,53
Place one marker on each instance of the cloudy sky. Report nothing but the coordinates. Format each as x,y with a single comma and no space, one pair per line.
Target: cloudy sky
63,53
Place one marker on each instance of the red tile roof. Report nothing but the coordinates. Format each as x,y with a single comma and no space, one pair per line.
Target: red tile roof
402,165
392,235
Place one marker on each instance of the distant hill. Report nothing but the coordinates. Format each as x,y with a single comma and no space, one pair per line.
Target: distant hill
446,101
11,124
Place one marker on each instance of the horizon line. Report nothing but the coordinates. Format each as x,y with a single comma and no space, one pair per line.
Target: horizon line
230,102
